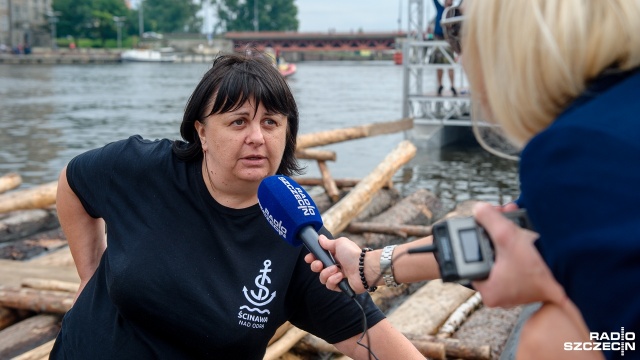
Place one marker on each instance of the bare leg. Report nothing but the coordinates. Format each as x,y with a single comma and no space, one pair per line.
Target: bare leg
439,72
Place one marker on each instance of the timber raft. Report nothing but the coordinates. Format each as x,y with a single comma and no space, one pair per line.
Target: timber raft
38,279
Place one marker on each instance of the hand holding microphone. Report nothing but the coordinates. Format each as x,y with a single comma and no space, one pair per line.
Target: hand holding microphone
294,216
347,253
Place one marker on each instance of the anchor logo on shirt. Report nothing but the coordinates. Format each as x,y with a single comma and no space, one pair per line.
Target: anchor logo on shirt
261,297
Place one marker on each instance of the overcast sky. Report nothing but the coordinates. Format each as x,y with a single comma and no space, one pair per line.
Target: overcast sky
348,15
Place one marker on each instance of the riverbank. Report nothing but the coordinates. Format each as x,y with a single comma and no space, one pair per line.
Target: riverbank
105,56
45,56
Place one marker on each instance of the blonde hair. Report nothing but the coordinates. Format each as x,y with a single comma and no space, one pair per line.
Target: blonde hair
526,60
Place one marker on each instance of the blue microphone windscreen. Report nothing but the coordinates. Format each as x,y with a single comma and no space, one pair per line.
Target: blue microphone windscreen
287,207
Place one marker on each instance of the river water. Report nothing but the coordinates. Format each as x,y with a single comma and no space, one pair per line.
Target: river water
49,114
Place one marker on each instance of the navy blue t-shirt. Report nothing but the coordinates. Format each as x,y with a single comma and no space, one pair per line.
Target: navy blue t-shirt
184,276
580,182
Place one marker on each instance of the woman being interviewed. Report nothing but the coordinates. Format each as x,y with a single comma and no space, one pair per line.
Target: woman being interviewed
190,268
561,80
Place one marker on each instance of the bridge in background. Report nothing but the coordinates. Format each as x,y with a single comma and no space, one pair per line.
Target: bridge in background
306,42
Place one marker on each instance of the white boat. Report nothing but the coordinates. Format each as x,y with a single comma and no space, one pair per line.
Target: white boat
148,55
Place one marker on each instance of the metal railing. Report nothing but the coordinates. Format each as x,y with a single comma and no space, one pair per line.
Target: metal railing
426,106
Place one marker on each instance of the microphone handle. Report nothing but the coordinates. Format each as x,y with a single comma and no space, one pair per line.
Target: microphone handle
309,237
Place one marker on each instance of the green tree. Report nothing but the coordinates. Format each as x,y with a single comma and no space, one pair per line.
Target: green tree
89,18
171,16
272,15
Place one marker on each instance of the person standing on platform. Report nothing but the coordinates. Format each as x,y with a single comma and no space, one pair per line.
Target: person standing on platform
437,56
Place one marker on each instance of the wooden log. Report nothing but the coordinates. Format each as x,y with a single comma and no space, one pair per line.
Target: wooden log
8,317
319,182
24,249
454,349
357,132
20,224
38,197
50,284
493,327
290,356
398,230
322,200
312,343
382,200
39,353
421,208
341,183
329,185
57,258
340,215
12,272
55,302
314,154
456,318
280,331
428,308
28,334
286,342
430,349
9,181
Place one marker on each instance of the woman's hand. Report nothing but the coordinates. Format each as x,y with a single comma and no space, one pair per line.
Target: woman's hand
346,253
519,274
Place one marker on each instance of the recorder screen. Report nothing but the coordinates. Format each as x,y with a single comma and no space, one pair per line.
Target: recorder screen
470,245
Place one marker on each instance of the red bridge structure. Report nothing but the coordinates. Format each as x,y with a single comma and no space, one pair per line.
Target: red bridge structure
308,42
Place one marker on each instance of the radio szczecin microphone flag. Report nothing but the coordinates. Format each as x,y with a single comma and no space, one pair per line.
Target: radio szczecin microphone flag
294,216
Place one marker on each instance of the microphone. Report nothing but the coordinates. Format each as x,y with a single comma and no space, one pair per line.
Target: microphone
294,216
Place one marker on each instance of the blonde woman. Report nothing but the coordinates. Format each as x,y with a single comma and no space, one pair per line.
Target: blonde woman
560,79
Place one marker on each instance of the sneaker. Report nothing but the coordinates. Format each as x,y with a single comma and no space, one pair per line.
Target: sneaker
440,90
453,91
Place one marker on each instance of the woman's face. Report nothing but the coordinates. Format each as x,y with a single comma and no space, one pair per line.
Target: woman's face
243,144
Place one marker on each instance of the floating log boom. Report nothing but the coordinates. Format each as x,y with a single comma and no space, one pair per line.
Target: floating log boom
9,181
340,135
35,198
340,215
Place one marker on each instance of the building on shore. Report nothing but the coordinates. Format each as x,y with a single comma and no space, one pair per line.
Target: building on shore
26,23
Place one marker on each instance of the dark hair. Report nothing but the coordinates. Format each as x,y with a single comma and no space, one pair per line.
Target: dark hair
234,79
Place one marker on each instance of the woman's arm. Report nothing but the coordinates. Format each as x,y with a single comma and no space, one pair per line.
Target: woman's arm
85,234
385,341
545,333
407,268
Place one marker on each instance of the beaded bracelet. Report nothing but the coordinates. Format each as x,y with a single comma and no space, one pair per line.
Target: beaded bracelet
361,268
